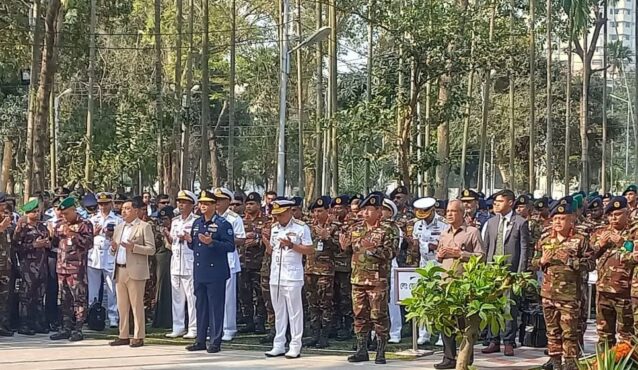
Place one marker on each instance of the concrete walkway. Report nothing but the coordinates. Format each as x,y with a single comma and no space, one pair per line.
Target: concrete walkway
38,352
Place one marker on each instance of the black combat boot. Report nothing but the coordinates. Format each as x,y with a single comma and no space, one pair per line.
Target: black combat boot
26,330
372,343
313,340
570,364
549,365
323,339
62,334
381,343
556,363
76,336
362,349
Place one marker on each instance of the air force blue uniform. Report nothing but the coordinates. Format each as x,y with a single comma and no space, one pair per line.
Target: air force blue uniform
210,272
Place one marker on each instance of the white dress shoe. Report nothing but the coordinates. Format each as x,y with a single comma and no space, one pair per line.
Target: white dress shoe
422,340
227,338
293,354
175,334
394,340
190,335
275,352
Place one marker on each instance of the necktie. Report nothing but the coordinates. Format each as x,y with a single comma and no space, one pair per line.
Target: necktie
499,237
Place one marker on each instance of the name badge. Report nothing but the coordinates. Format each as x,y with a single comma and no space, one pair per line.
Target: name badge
320,246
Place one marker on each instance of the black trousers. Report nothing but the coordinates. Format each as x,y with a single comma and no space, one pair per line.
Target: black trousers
210,301
51,299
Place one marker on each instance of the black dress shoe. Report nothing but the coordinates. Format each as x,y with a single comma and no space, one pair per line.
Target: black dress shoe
120,342
213,349
76,336
60,335
446,364
196,347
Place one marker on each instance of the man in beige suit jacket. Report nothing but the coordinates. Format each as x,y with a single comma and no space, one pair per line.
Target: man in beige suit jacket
133,242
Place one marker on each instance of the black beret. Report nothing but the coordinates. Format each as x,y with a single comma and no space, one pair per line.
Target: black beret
541,203
561,209
399,190
167,211
615,204
595,203
321,202
253,197
441,204
522,199
341,200
373,199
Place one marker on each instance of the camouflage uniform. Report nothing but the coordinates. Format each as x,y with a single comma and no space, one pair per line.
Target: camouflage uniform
342,292
5,278
251,301
613,289
561,290
319,282
408,254
34,272
150,288
264,275
370,275
71,268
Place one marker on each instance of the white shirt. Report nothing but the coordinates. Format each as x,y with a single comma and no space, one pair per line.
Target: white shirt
426,234
286,268
99,256
126,233
182,258
240,233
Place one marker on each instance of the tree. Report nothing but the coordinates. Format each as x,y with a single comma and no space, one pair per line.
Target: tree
466,304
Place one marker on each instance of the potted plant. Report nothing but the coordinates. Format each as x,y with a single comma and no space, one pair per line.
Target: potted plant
480,296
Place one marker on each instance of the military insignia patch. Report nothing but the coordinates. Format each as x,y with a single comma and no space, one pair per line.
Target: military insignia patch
338,201
617,204
373,201
230,231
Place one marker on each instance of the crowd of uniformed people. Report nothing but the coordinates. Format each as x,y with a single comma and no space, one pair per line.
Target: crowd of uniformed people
208,266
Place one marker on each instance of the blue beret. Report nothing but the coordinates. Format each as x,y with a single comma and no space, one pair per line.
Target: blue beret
615,204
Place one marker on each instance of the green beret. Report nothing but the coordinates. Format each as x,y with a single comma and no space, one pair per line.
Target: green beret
66,203
30,206
578,201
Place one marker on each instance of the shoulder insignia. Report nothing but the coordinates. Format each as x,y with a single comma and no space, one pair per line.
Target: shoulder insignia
233,214
298,222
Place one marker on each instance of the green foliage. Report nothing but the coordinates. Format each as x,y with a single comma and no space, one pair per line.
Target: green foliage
442,296
605,359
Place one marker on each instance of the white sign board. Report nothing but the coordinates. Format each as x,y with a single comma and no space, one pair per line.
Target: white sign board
404,280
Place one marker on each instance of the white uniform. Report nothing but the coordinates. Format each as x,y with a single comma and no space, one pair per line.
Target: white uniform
230,309
286,282
426,234
183,291
101,265
396,323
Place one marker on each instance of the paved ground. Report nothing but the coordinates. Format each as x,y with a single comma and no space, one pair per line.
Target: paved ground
21,352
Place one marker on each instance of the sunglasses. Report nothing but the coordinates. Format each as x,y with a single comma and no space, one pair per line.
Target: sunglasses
165,202
235,204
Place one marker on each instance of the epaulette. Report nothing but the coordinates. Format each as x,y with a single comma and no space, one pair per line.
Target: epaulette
175,218
231,213
298,222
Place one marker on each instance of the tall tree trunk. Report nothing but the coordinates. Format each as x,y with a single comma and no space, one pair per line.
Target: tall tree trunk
88,157
177,114
158,91
532,100
185,178
466,124
568,99
301,174
443,142
510,75
231,99
603,165
487,85
366,169
636,101
549,142
212,143
584,119
332,70
7,160
319,107
36,56
205,118
47,71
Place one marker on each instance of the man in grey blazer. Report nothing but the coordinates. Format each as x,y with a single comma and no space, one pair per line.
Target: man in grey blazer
506,234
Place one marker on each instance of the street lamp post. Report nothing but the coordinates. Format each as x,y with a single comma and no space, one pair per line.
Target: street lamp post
55,132
318,36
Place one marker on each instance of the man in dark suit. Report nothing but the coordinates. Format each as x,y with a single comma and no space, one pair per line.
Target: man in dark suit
211,239
506,234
